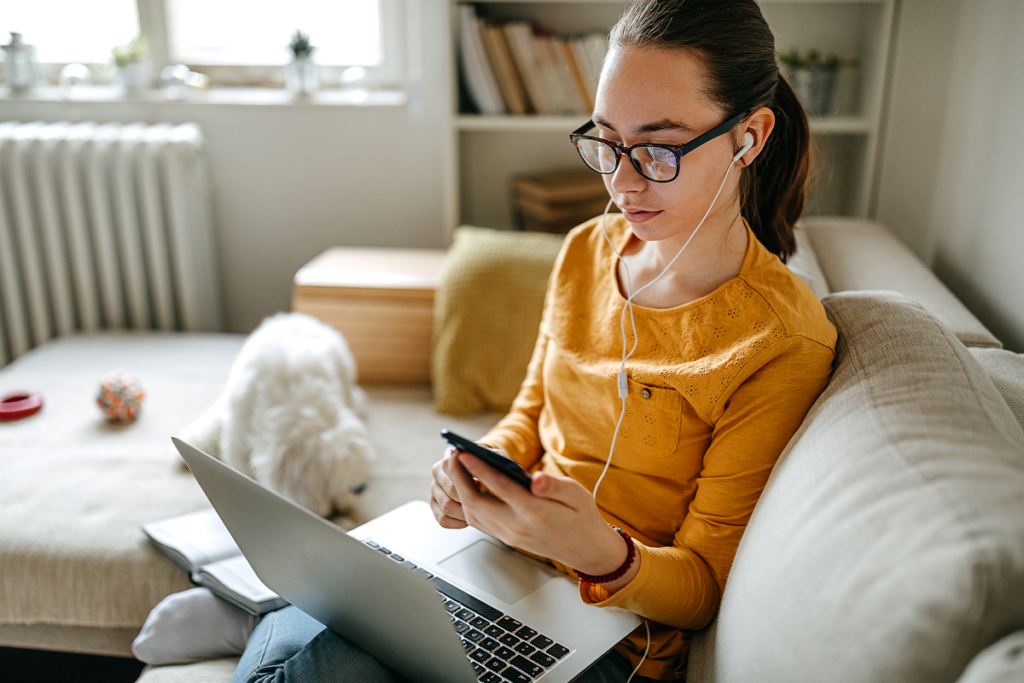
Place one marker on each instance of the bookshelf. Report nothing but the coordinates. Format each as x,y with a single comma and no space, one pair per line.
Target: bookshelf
846,144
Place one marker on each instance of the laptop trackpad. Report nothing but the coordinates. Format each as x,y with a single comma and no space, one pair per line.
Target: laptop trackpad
502,572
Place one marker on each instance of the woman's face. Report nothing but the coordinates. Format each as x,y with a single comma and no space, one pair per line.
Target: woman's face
658,96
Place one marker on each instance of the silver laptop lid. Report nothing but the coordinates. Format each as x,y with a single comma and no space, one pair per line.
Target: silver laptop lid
376,604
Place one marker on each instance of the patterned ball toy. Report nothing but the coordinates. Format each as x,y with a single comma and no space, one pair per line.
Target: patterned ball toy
120,397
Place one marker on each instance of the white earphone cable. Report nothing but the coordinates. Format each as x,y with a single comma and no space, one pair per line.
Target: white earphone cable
630,295
647,649
623,382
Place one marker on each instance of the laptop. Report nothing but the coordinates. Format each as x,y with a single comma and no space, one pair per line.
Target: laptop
436,605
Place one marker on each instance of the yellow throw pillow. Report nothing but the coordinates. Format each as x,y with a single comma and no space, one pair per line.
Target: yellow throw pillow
487,313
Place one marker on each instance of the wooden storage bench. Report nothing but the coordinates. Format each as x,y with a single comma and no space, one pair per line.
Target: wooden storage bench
381,300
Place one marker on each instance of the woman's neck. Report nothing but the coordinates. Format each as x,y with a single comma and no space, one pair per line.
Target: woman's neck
712,258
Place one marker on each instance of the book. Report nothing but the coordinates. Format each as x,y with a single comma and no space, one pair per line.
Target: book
509,81
581,70
575,79
547,72
562,214
596,47
201,545
480,80
519,67
561,186
554,201
520,39
561,76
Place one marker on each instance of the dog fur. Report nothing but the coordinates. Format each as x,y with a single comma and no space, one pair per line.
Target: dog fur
289,416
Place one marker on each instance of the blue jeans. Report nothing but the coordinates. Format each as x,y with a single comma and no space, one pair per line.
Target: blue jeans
289,645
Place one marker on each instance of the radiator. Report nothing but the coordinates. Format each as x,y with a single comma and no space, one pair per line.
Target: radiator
103,227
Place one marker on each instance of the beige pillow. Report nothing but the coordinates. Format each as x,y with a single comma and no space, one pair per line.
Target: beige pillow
889,542
487,313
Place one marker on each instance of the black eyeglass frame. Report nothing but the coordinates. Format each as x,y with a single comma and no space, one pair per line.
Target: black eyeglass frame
678,150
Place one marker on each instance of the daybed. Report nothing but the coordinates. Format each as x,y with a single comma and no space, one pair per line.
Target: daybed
888,545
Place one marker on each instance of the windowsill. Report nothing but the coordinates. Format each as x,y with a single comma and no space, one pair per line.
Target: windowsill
234,96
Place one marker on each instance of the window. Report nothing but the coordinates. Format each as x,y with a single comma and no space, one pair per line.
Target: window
237,42
65,31
253,32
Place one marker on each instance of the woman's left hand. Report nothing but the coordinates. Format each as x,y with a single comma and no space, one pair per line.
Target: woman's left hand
557,518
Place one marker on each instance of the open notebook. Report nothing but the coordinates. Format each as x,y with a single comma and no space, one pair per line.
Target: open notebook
199,543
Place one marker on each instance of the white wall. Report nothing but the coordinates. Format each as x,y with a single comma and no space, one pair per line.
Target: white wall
977,239
922,62
292,181
951,181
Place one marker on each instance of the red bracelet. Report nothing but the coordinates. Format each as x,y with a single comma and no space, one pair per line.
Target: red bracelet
618,573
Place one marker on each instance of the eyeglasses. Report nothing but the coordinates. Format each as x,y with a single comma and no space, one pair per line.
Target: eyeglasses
658,163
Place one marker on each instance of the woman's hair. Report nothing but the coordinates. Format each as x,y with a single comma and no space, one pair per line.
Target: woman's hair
737,49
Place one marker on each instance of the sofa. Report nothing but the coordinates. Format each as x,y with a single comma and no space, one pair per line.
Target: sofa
888,544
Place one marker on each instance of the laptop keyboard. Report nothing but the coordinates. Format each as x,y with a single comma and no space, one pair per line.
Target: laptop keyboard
500,648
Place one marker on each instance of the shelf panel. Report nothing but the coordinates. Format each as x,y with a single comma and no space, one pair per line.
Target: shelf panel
553,124
840,125
546,2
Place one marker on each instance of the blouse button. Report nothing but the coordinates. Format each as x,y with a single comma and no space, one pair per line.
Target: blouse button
646,393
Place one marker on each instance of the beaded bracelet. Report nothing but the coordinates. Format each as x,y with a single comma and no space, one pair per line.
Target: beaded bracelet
618,573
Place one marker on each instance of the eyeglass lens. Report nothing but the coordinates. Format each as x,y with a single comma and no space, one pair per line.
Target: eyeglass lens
654,163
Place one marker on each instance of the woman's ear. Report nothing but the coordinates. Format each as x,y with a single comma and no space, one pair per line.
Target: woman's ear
759,126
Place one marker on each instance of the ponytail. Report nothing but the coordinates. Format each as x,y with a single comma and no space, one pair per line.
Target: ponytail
774,189
738,51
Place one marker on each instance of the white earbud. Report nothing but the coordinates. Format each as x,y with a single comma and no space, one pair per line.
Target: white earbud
748,142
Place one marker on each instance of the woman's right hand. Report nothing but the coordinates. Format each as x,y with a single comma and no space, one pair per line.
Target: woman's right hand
444,499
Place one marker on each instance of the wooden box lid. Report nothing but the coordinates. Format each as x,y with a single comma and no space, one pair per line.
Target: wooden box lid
364,269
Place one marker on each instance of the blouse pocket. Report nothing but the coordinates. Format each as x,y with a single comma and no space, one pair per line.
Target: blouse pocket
650,427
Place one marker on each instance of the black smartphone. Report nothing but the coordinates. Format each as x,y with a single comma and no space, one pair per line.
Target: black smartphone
507,466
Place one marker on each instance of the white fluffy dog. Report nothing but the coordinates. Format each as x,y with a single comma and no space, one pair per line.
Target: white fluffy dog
289,415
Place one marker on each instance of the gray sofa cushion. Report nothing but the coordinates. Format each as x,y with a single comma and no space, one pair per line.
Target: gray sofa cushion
889,542
863,255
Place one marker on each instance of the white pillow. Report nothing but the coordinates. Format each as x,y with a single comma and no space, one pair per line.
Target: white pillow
804,264
192,626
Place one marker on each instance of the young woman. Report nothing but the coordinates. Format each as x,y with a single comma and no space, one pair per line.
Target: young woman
676,357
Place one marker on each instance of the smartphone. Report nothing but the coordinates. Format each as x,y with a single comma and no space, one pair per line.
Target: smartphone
506,466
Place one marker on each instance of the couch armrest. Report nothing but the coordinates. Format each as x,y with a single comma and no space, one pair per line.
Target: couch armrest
857,254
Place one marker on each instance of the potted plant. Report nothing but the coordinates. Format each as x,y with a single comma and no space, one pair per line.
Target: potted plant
301,74
130,65
813,78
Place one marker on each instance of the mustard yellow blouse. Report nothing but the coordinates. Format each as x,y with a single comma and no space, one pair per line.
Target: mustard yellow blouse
716,389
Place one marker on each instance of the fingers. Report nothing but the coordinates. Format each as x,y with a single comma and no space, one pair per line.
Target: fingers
444,498
445,505
564,490
481,510
497,483
442,475
446,521
464,487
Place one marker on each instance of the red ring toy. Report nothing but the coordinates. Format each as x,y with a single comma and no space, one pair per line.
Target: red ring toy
19,406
